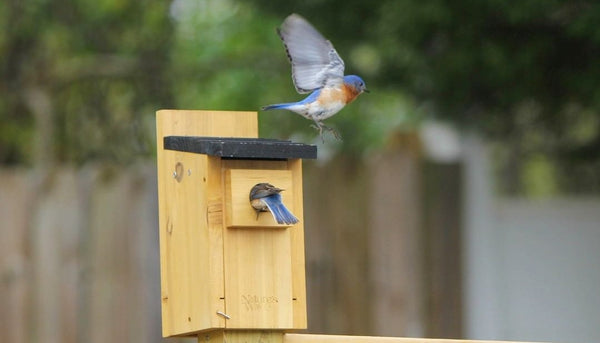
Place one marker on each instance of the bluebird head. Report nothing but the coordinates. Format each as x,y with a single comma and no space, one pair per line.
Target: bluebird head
356,82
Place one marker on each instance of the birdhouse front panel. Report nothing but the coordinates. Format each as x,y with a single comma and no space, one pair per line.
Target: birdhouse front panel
264,261
258,278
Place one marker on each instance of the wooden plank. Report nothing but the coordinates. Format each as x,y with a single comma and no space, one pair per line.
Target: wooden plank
113,309
242,336
70,216
16,198
297,243
182,263
185,255
395,245
46,245
308,338
339,291
442,232
258,276
205,123
215,221
142,222
56,264
258,266
296,232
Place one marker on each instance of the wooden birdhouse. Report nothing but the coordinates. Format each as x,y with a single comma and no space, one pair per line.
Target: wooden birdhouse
222,266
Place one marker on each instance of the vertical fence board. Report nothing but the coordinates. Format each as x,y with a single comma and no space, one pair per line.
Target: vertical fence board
54,249
15,197
147,255
336,231
114,310
442,223
396,268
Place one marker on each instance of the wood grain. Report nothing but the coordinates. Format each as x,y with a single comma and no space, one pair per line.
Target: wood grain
192,288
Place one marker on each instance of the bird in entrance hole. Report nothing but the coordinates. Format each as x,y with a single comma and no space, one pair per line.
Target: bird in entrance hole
265,197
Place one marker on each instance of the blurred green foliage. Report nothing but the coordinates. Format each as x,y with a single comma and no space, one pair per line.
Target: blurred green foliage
81,82
522,73
83,77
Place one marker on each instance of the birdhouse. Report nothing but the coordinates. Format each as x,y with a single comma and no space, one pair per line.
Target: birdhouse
222,265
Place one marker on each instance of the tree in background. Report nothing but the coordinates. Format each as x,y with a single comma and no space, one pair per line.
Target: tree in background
82,82
79,81
523,73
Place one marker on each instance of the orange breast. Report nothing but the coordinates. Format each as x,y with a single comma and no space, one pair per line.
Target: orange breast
350,93
344,94
331,95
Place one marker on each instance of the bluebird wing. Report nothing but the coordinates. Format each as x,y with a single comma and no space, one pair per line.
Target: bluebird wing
315,62
261,190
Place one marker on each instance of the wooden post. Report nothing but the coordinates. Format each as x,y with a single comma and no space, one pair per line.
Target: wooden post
226,275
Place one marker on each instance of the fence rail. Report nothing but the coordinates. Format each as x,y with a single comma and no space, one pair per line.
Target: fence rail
304,338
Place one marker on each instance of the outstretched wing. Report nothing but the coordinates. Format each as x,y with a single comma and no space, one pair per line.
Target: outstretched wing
315,62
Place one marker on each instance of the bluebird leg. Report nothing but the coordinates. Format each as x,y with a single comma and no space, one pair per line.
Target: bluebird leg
320,126
336,134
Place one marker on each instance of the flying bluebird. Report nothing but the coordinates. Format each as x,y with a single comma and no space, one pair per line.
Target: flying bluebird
316,69
265,197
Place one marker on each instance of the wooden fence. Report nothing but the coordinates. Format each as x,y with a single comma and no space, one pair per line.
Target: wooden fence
79,255
79,252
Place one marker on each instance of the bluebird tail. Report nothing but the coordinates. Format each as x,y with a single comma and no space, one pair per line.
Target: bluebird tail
292,106
277,106
281,214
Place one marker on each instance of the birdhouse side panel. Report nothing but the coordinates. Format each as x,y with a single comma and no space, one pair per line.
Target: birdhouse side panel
191,257
297,243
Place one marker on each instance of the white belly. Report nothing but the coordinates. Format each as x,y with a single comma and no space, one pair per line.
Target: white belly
317,111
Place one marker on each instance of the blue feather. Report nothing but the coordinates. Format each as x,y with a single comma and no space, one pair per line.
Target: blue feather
312,97
281,214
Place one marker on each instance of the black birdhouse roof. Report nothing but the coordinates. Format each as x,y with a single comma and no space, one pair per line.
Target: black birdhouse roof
241,148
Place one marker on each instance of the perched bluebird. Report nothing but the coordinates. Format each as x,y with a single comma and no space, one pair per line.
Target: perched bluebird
265,197
316,69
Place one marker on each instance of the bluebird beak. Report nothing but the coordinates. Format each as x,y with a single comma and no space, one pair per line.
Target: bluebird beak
366,90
